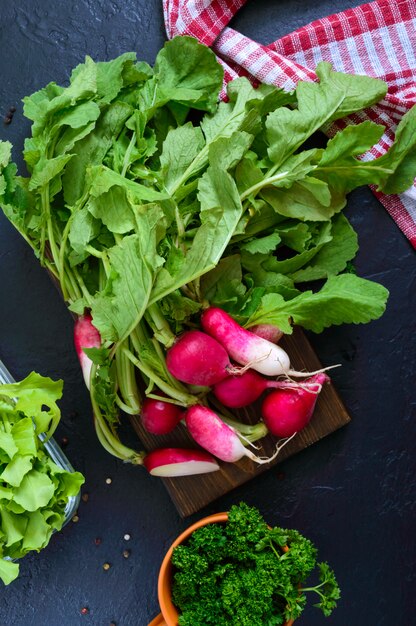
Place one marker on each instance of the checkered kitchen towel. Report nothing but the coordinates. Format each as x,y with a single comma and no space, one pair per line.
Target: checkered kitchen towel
377,39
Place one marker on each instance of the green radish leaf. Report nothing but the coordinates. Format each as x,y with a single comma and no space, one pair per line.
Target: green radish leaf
401,158
359,91
303,202
262,245
228,270
46,170
83,229
220,211
344,299
5,154
229,150
77,117
333,257
181,146
295,235
115,211
339,167
189,73
134,263
43,106
335,96
253,262
92,149
103,179
111,76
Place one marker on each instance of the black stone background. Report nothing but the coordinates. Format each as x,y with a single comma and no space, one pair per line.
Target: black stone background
352,493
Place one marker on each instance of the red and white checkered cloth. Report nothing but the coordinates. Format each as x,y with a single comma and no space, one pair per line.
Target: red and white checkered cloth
377,39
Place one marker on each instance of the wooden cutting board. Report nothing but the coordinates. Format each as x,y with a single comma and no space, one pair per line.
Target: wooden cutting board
191,493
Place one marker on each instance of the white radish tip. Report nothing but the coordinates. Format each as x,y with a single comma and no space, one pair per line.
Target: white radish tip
186,468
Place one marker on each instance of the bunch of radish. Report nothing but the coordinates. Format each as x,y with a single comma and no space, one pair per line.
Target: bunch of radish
237,366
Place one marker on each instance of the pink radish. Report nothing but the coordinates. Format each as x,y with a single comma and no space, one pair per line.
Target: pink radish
244,389
245,347
212,434
267,331
171,462
197,359
159,417
287,411
85,336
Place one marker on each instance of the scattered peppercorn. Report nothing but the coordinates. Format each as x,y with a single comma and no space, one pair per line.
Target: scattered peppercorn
106,566
97,541
75,519
127,537
7,119
126,553
113,624
12,109
64,441
85,497
85,610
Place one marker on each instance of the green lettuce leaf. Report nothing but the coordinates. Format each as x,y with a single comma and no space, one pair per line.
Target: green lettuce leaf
35,491
17,469
34,395
9,571
13,526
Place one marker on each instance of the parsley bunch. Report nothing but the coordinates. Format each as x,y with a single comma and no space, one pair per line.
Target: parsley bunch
244,573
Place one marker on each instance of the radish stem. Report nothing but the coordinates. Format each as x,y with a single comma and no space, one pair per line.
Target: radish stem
185,398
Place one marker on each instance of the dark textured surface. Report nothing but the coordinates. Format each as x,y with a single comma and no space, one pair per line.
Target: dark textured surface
353,493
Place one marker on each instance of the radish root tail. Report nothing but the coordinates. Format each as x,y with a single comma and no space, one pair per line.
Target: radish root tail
279,447
297,374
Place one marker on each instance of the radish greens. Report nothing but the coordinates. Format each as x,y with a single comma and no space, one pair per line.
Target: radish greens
147,200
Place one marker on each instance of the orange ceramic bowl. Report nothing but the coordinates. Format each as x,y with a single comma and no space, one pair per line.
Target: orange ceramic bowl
169,614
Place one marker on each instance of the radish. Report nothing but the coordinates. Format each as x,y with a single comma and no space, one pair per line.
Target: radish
198,359
287,411
244,389
267,331
85,336
171,462
247,348
159,417
212,434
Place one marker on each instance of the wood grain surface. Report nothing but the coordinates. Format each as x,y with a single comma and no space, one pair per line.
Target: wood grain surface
192,493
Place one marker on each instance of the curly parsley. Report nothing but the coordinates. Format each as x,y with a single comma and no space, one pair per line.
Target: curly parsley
244,573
